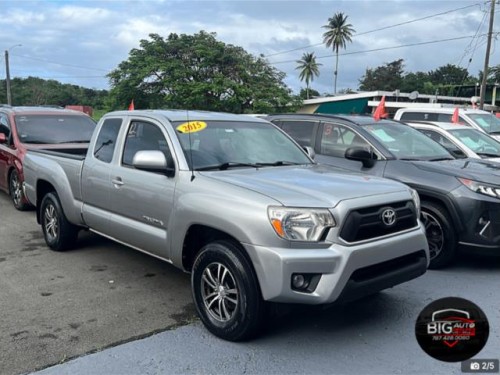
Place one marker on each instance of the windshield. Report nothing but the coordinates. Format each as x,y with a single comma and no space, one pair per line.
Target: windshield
477,141
47,129
407,143
487,122
223,145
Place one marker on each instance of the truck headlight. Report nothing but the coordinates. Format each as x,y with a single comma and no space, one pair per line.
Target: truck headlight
481,187
416,200
300,224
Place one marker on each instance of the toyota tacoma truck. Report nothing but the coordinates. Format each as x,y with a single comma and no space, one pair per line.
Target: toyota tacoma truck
237,203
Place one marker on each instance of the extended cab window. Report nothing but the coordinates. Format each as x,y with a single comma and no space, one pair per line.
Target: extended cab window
301,131
106,141
336,139
142,136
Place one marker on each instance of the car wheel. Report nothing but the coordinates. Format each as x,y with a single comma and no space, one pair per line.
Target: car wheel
16,192
441,235
58,232
226,292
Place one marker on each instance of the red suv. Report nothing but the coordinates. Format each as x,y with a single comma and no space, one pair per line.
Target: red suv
23,128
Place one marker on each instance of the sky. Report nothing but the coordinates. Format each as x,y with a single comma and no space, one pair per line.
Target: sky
79,42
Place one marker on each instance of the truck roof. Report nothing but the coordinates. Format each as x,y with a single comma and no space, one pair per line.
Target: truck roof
32,110
187,115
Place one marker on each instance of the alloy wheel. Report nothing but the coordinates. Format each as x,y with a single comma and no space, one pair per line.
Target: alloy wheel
16,190
434,233
50,222
219,292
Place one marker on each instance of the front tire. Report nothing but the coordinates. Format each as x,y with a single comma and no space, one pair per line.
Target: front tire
16,192
226,292
59,233
440,233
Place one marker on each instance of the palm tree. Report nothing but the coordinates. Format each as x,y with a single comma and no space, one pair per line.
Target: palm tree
308,69
338,33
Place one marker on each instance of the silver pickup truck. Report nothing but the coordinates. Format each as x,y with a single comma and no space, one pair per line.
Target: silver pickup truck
238,204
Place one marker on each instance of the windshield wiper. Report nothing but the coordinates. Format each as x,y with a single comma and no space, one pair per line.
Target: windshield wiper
488,155
227,165
410,159
441,159
75,141
36,142
278,163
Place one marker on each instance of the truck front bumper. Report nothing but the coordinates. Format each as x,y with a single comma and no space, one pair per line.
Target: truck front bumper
340,272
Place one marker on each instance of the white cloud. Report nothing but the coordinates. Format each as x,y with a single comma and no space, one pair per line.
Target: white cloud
100,34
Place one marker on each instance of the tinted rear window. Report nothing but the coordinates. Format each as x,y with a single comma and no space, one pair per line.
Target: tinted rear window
54,128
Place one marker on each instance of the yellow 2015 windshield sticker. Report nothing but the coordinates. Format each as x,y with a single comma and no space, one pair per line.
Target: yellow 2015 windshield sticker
191,126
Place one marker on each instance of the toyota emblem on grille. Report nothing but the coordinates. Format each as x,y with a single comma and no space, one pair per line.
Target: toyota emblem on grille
389,217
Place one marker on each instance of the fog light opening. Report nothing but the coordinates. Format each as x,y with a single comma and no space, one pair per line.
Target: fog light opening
485,223
299,281
305,282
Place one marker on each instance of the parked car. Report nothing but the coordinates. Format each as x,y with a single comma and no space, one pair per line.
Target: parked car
478,119
236,202
24,128
461,141
460,197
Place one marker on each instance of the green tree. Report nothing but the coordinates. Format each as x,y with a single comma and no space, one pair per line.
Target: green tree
449,75
338,33
198,72
306,94
388,77
38,91
416,82
309,69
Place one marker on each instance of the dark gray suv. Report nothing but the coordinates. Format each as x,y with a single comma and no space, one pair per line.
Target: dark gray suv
460,197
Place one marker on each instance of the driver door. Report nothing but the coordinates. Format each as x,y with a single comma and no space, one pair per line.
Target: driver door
142,201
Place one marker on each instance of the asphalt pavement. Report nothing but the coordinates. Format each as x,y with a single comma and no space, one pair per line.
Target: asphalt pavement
371,336
105,309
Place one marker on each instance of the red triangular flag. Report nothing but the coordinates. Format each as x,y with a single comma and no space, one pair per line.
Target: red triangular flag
455,118
380,112
131,106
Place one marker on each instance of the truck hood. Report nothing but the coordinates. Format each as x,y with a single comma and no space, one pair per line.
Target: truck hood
473,169
308,186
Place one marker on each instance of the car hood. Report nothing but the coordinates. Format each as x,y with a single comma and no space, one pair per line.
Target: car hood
474,169
308,186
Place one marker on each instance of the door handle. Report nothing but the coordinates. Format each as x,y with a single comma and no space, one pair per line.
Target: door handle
117,181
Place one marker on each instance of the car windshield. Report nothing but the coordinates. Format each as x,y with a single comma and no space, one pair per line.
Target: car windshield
54,128
487,122
407,143
218,145
477,141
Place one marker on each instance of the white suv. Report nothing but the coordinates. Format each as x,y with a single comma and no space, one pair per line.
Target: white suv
481,120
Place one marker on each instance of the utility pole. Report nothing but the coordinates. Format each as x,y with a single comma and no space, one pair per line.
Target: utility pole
7,77
7,73
487,57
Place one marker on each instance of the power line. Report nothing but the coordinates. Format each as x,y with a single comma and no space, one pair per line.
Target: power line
61,64
388,48
379,29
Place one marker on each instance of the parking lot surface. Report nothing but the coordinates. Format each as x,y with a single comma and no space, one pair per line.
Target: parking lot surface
102,298
55,306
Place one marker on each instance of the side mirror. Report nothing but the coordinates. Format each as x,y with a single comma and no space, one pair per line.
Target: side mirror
153,161
362,155
310,151
3,138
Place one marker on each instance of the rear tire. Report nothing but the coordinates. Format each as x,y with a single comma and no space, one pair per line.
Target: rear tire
59,233
440,233
226,292
16,192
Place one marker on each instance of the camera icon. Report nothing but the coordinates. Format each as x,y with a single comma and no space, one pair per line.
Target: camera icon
475,366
